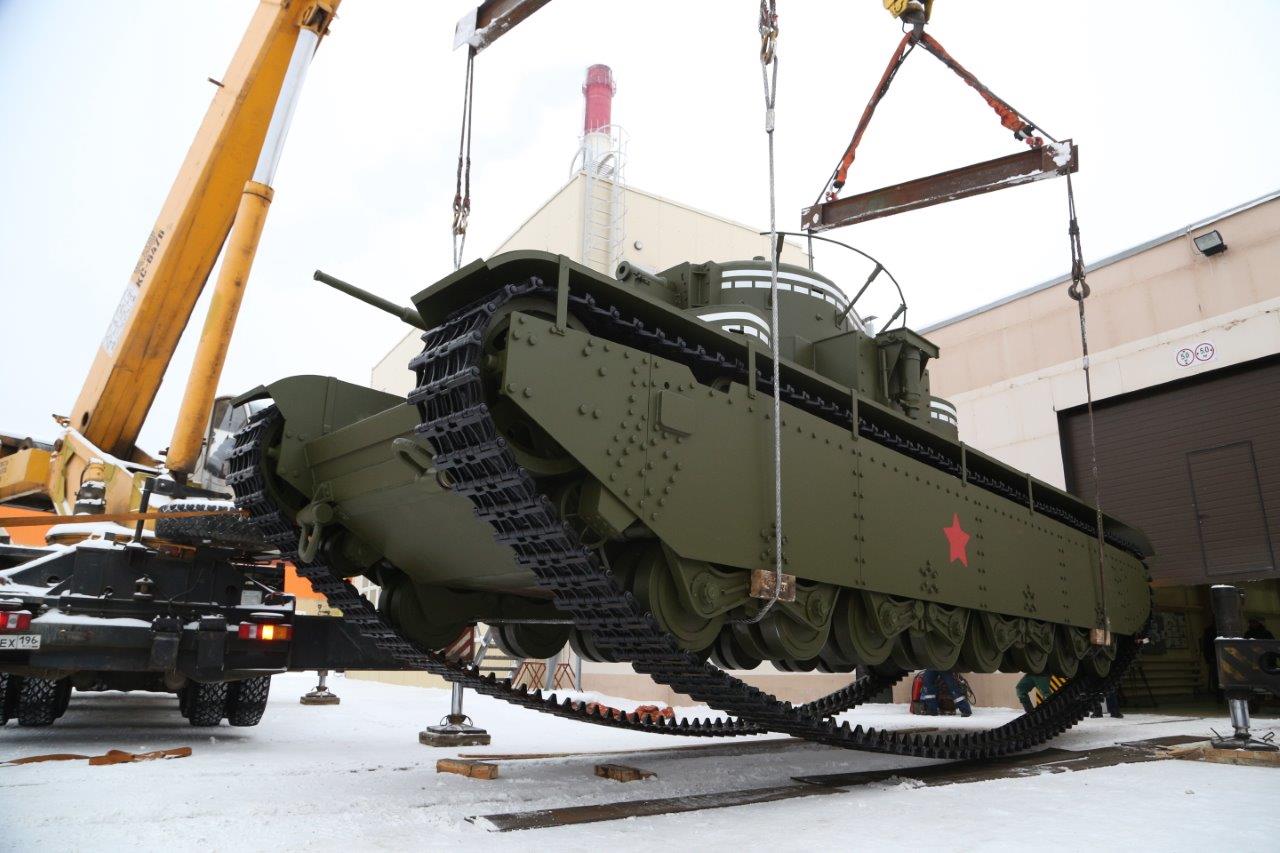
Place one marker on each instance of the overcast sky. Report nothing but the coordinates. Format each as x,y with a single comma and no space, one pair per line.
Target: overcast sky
1173,104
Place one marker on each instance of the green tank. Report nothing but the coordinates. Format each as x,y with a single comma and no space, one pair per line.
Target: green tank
588,459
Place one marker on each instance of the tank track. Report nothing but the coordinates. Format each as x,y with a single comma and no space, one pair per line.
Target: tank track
455,418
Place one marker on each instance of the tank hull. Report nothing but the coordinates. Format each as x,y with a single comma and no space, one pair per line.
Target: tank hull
630,414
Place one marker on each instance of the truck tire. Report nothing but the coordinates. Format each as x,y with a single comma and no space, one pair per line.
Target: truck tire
206,704
9,686
38,701
247,700
184,701
232,531
63,697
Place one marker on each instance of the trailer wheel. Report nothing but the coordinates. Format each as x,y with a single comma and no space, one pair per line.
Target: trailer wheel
229,530
206,704
9,686
247,700
38,701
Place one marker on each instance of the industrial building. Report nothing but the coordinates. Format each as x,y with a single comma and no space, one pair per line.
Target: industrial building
1184,336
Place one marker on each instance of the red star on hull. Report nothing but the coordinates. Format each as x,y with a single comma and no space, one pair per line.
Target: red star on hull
958,541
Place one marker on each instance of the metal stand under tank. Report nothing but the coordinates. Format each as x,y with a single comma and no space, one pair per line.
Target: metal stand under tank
455,729
1238,672
320,694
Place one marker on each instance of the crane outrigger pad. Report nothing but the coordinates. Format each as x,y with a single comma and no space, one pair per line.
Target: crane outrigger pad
1035,164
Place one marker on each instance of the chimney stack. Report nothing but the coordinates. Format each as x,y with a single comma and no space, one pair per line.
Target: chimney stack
599,90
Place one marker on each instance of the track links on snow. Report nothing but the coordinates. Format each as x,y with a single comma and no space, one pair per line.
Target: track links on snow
455,419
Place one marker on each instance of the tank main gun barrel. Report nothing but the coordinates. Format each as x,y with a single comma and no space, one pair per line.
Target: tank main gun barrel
628,271
405,313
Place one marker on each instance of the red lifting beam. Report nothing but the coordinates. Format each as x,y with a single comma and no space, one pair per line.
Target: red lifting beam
1022,168
1042,161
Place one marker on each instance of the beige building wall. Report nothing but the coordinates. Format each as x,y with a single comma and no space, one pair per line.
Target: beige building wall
1009,368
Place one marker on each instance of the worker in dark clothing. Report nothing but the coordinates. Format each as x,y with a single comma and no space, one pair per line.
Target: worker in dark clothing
1113,705
929,692
1209,650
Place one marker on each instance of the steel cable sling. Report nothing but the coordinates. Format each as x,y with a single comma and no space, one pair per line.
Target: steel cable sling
769,58
1023,128
1079,291
462,186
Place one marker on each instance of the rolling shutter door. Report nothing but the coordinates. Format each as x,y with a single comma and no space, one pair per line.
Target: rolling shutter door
1195,465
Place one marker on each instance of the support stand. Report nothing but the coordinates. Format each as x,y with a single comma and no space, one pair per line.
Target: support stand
1234,670
320,694
455,729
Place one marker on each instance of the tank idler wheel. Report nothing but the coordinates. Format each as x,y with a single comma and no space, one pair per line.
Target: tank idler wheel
584,646
938,645
1069,646
655,588
857,632
532,641
980,651
1098,659
729,653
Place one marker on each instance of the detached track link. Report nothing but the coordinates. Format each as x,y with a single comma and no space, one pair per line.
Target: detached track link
455,418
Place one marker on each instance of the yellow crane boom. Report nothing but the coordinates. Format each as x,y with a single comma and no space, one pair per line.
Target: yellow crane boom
189,233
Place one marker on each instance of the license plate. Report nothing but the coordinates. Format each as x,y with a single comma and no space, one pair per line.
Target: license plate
19,642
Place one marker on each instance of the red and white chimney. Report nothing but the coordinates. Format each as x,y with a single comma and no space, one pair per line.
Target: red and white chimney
601,155
599,90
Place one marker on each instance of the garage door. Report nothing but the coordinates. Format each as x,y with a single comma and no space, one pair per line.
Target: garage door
1195,465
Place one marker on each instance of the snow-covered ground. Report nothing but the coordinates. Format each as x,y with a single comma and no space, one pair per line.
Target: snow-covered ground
353,777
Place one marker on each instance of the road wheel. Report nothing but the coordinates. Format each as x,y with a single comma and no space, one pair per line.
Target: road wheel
206,703
38,701
728,652
1098,659
247,700
9,685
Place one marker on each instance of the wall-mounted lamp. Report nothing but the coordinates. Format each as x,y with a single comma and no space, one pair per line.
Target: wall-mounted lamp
1210,243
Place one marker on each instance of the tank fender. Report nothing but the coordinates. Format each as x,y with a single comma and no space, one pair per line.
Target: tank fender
313,406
